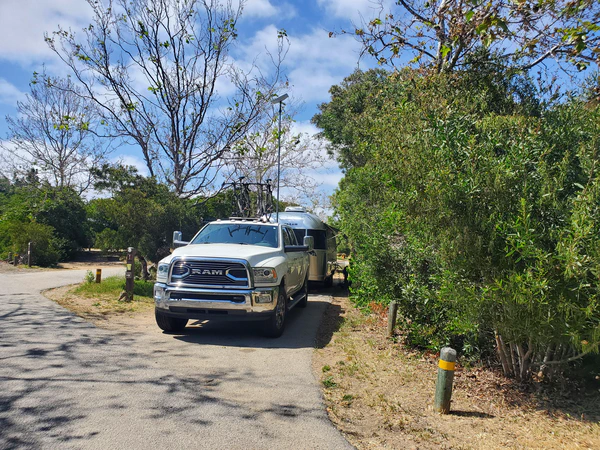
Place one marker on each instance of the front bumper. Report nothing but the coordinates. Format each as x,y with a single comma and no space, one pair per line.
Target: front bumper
215,304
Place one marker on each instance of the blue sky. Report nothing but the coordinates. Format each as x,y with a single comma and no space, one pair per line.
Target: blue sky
314,61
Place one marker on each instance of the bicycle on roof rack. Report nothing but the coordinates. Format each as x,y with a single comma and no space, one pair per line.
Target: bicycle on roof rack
251,199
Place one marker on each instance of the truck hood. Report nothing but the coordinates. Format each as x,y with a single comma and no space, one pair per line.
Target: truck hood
254,254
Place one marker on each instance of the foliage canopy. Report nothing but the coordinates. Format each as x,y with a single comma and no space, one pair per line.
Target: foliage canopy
475,205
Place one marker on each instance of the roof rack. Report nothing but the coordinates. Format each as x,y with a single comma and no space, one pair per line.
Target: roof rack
263,219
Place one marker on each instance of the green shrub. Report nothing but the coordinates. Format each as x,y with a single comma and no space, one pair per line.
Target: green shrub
45,247
475,209
89,277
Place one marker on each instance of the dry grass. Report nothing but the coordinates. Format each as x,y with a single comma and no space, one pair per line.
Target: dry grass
381,396
100,302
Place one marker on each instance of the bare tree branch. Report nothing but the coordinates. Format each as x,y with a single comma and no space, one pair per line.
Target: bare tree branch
53,133
154,68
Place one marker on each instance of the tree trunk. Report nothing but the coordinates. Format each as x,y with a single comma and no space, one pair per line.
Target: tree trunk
144,263
545,369
502,354
513,360
524,360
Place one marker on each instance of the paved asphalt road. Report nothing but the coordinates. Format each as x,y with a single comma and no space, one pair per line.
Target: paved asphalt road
66,384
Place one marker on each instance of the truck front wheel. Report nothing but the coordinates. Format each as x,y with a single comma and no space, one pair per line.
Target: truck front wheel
276,323
167,323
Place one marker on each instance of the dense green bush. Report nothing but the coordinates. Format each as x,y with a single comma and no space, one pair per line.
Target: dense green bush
61,209
45,246
143,213
473,204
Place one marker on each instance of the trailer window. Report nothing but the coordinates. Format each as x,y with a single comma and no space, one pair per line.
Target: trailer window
320,239
299,235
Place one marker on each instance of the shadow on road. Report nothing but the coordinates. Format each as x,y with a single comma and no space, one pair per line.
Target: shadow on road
300,332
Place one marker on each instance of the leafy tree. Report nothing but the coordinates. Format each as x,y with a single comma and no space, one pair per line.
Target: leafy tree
143,213
61,209
152,67
64,210
341,118
475,208
16,237
444,34
52,132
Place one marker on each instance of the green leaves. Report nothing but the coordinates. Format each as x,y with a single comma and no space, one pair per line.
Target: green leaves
475,208
444,50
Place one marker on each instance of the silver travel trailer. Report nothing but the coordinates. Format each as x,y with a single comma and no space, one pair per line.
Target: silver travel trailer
323,262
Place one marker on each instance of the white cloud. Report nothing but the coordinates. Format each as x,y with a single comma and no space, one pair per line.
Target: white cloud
130,160
24,22
259,8
312,85
353,9
305,127
314,61
330,179
9,94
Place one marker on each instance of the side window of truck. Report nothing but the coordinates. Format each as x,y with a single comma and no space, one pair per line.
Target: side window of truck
291,236
286,236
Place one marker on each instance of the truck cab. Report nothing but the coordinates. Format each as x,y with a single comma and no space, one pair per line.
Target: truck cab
237,269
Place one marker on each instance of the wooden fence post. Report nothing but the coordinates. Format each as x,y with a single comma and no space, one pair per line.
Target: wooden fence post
392,312
98,275
129,274
443,387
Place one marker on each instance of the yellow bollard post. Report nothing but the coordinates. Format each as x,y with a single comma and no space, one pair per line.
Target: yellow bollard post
443,387
98,275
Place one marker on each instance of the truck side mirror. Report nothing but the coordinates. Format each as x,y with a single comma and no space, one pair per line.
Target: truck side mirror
309,241
177,242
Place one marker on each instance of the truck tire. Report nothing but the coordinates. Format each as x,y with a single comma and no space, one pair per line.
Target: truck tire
167,323
304,302
276,323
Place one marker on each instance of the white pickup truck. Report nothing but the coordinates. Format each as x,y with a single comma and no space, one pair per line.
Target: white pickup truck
234,270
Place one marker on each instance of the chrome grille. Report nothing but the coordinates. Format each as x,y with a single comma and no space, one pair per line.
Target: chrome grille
210,273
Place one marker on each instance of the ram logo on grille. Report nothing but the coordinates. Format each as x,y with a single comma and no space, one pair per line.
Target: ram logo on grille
210,273
206,272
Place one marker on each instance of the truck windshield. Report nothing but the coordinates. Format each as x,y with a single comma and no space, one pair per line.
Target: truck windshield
249,234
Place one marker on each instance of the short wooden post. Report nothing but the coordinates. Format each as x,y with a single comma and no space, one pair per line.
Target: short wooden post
392,312
10,257
129,274
98,275
29,254
443,387
16,262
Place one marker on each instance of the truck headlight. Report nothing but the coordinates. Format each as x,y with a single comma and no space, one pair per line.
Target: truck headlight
162,272
265,275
